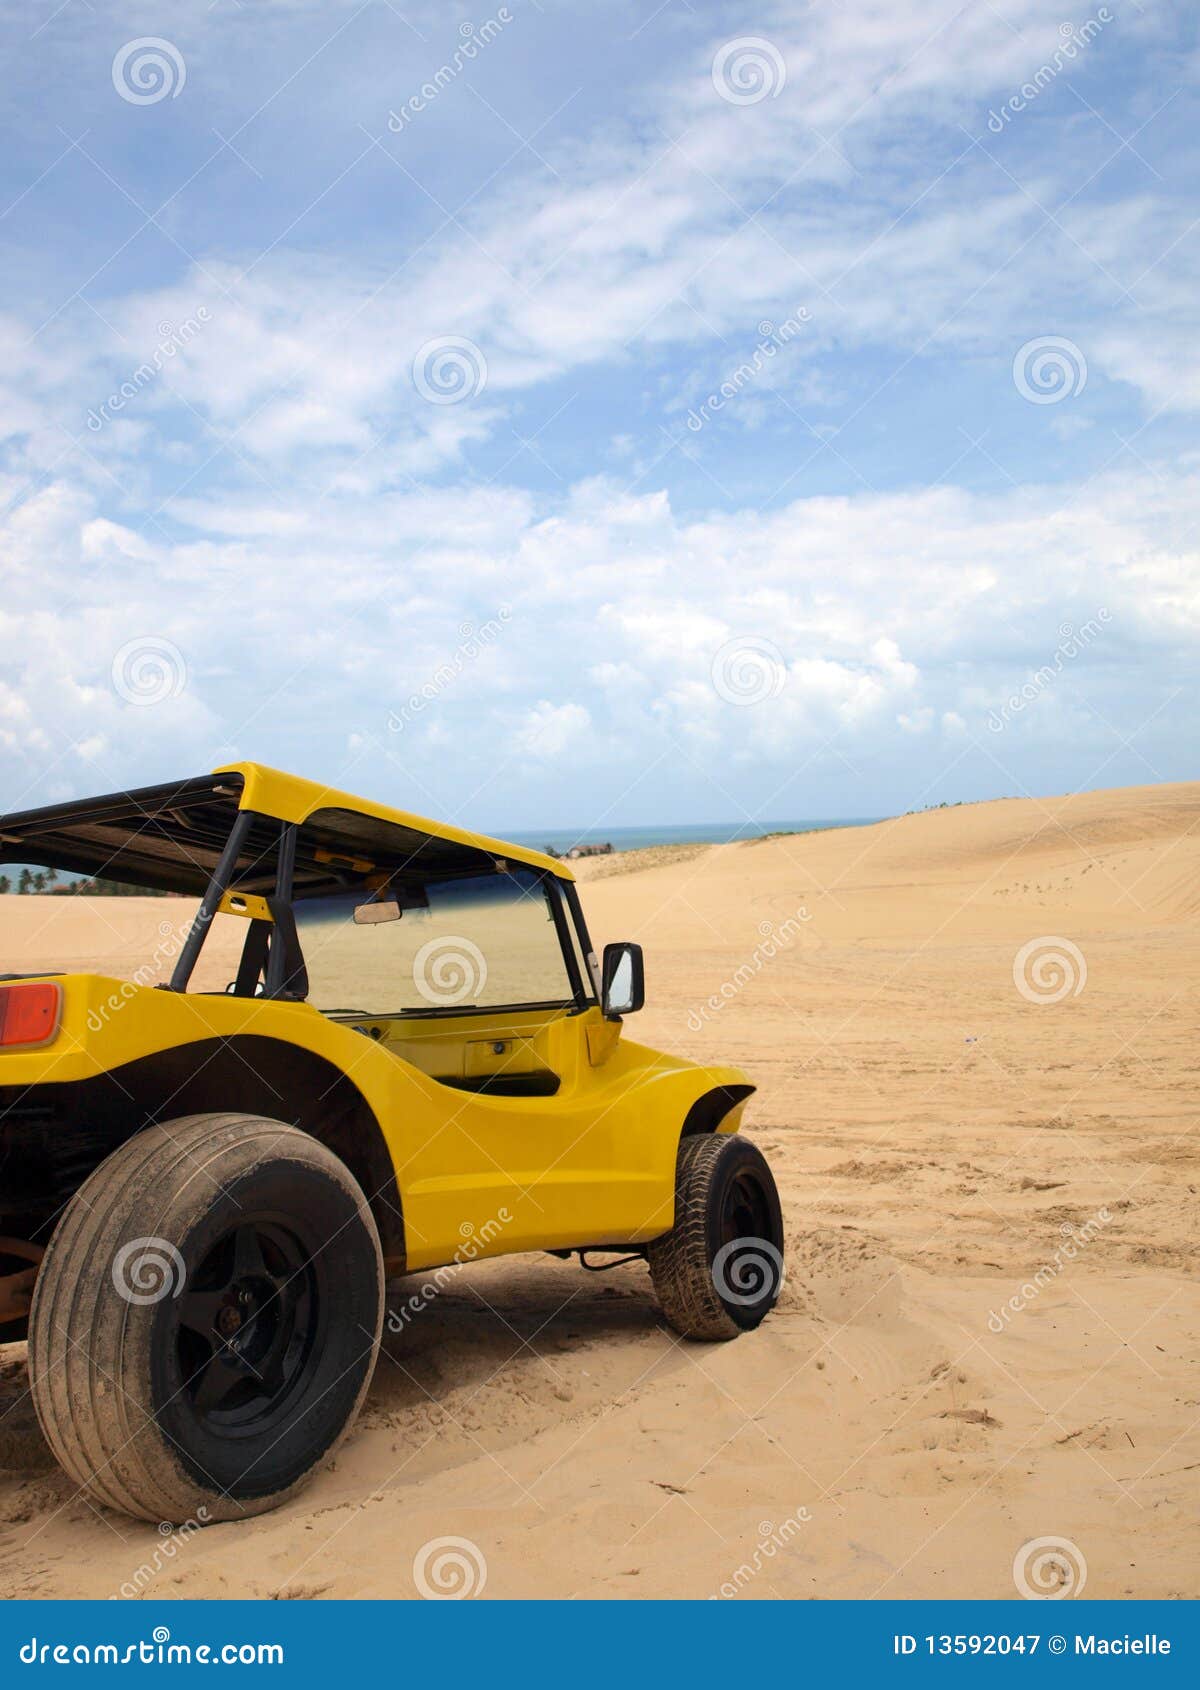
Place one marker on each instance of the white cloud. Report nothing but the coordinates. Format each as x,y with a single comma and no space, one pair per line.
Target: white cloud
263,501
666,235
890,614
548,730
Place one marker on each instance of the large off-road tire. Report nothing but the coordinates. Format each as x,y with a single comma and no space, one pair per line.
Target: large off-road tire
207,1318
719,1270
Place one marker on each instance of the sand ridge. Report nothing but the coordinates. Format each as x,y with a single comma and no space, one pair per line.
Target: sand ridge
991,1317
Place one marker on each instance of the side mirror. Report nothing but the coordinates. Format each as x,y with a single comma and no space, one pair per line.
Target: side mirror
623,979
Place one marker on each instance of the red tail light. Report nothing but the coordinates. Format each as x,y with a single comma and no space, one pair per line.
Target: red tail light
29,1014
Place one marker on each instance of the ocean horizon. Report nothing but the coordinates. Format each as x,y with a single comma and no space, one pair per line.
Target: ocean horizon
560,840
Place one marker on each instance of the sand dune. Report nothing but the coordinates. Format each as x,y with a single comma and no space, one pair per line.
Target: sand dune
944,1129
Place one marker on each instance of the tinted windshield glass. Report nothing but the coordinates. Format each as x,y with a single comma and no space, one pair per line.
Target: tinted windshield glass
486,941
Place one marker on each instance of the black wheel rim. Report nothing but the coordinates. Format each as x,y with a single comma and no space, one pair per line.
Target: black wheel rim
747,1262
248,1323
745,1213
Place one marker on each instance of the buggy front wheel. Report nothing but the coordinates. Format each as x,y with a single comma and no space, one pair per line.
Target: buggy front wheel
719,1270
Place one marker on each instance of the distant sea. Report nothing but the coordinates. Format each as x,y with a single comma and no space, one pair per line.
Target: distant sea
695,833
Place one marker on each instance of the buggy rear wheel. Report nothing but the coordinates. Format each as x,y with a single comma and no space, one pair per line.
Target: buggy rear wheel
207,1318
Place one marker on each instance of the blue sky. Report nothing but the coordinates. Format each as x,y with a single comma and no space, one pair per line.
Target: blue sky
555,414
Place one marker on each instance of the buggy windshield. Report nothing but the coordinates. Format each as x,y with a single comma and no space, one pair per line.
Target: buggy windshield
484,941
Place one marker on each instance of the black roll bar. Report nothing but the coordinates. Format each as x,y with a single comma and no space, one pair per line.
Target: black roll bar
209,903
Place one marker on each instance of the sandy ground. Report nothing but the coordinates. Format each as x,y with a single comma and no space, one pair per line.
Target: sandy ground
989,1330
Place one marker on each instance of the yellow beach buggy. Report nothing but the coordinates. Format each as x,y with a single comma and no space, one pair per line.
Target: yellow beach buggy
415,1059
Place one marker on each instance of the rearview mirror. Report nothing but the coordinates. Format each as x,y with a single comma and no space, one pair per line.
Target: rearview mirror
368,915
623,980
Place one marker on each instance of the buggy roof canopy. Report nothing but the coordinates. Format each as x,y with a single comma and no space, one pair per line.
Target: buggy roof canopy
168,838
